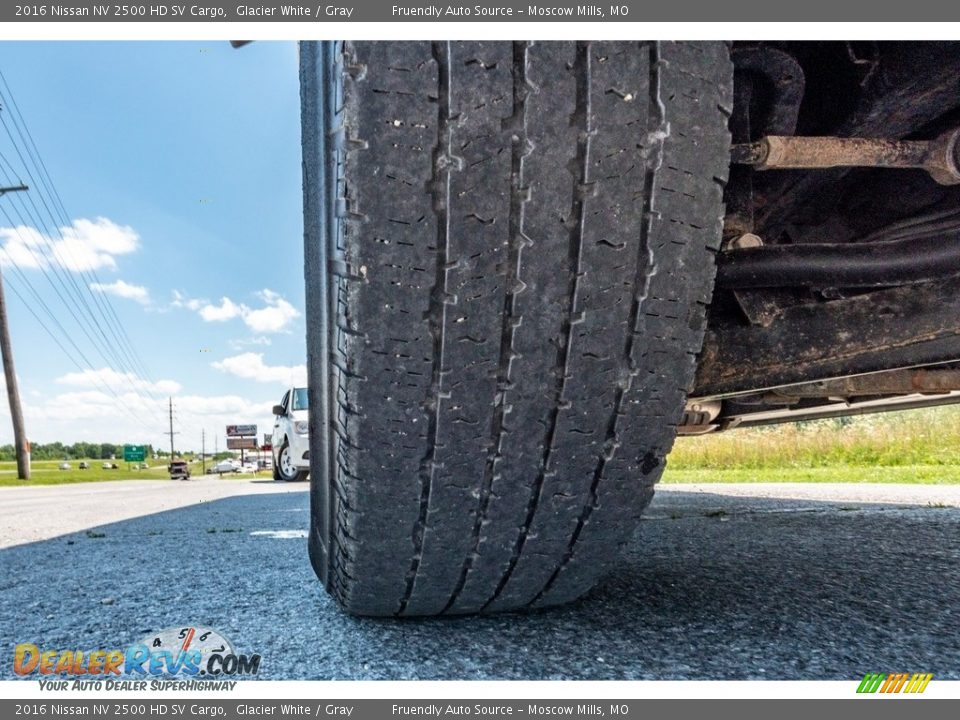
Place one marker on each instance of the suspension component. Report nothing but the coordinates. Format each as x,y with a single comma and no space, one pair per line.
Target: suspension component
699,416
939,157
841,265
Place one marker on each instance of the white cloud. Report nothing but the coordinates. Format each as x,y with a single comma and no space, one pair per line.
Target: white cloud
122,289
98,416
90,414
240,343
84,245
180,300
226,310
274,316
117,381
250,366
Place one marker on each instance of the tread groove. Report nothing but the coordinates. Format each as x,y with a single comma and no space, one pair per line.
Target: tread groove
645,269
513,285
439,188
575,247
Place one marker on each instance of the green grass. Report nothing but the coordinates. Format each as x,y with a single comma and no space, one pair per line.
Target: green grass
913,446
45,472
914,474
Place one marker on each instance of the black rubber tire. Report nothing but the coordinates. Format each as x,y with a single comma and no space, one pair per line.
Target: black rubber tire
511,249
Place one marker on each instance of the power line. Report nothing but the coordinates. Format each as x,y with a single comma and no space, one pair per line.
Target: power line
40,263
57,201
47,234
127,360
100,385
43,305
64,277
40,301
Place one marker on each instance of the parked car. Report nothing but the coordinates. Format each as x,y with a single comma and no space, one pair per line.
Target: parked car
248,467
291,439
64,466
84,466
225,466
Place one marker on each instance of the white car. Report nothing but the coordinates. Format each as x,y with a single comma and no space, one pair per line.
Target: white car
291,437
225,466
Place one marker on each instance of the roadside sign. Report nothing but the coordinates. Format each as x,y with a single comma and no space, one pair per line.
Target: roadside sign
134,453
267,441
241,430
241,443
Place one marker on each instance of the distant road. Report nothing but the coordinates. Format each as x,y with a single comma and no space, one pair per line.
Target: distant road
28,514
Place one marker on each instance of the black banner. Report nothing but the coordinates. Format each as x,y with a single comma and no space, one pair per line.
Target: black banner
496,11
205,708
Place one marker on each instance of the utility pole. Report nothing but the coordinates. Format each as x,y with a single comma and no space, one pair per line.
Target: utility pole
171,433
13,392
203,450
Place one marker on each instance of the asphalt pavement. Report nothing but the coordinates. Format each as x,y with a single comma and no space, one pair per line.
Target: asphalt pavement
720,582
39,512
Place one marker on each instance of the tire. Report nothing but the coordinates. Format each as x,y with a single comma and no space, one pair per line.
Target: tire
292,475
509,254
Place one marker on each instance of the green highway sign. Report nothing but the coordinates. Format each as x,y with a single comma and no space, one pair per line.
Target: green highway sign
134,453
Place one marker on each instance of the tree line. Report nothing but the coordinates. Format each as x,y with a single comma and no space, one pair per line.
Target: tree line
59,451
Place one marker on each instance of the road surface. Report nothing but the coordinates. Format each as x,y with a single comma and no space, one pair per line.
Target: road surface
720,582
31,513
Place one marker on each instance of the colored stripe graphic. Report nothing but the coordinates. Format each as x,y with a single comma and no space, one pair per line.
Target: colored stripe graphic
870,683
919,682
894,683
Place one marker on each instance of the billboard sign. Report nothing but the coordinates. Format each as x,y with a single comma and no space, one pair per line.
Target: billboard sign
241,443
241,430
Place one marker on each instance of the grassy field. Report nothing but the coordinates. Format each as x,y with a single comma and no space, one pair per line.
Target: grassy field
45,472
913,446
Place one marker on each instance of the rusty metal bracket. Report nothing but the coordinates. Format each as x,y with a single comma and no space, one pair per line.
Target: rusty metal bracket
934,380
939,157
699,416
904,327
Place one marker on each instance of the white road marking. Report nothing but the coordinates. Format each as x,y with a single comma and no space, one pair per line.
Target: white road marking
281,534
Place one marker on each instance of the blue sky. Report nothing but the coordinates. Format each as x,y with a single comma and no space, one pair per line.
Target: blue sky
179,167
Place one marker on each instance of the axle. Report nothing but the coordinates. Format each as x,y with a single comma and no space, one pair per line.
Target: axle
939,157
